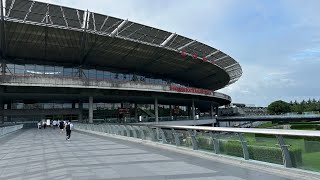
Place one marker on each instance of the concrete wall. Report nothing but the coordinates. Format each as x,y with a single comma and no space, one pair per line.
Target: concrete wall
96,84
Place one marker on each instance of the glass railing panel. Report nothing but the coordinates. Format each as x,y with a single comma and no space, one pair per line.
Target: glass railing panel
137,130
185,138
304,152
169,136
205,141
229,144
263,147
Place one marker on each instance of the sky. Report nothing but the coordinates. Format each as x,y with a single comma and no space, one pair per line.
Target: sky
276,42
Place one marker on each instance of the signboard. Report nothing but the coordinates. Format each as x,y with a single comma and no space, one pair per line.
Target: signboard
195,56
190,90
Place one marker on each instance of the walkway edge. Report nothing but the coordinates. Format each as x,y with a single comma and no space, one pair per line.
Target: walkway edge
269,168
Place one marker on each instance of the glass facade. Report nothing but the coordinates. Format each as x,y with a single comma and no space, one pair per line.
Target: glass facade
93,74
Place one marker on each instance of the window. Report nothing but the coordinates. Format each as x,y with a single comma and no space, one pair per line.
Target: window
92,74
39,70
58,70
67,72
30,69
99,75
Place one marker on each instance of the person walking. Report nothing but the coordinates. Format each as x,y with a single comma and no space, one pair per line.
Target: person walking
61,126
69,127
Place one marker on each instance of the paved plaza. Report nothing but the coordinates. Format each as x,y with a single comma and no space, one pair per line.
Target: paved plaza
45,154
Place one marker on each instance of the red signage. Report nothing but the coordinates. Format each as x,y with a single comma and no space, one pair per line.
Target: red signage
183,52
195,56
190,90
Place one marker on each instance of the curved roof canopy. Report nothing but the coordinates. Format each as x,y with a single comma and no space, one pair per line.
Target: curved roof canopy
39,31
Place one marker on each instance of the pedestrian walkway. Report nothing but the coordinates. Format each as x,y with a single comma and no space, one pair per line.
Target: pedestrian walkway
45,154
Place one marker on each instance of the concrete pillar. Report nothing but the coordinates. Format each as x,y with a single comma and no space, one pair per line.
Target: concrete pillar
211,110
80,117
217,109
156,113
90,109
193,113
136,112
73,105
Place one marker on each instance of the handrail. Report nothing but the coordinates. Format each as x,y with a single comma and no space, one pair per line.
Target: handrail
195,136
285,132
9,129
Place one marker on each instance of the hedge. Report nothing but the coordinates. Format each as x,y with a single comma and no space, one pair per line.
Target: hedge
304,126
260,153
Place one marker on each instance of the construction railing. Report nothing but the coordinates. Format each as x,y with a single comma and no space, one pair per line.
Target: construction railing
291,148
9,129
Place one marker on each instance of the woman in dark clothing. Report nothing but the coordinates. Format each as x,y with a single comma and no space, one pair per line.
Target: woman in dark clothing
61,126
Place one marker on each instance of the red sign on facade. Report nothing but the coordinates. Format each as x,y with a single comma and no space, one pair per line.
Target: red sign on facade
183,52
194,56
190,90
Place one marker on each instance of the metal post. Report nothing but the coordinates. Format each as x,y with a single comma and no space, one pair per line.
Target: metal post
193,113
142,135
163,136
90,109
285,152
152,135
244,146
216,144
176,137
134,133
193,134
127,130
136,112
156,115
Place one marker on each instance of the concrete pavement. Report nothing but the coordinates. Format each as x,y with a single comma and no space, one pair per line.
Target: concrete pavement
45,154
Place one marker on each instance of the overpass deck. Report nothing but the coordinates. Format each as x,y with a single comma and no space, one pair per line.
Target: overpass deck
45,154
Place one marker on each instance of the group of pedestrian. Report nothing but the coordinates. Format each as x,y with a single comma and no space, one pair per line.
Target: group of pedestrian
67,125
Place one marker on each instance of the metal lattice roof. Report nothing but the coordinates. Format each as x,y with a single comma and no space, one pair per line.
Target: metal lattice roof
38,13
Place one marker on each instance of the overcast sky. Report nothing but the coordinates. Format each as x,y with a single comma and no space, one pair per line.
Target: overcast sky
276,42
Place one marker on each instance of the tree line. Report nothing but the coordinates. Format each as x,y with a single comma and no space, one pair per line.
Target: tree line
280,107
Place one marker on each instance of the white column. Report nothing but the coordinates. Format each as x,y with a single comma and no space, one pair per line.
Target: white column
90,109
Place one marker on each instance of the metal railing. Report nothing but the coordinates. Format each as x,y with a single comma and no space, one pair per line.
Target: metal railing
291,148
9,129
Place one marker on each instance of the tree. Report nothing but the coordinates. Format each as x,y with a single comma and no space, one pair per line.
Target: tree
278,107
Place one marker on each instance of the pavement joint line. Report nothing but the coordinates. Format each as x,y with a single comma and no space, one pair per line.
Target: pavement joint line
229,160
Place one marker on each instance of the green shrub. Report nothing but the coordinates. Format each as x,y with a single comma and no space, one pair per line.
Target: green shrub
304,126
261,153
205,143
312,145
231,148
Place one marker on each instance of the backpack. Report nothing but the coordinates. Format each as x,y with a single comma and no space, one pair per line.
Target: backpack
68,127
